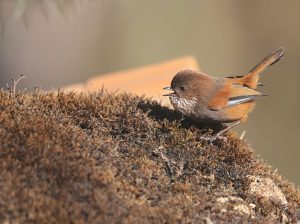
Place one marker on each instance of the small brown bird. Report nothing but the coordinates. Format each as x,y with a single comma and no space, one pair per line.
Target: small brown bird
219,100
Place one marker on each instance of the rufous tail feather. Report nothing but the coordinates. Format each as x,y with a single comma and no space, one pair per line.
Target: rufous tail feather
251,79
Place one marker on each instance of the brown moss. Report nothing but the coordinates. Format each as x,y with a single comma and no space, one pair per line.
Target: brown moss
102,158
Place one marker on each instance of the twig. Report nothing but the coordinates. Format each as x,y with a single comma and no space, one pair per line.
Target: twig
7,86
243,135
12,89
16,83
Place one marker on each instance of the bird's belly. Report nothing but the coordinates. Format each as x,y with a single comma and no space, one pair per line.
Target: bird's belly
225,115
205,115
201,113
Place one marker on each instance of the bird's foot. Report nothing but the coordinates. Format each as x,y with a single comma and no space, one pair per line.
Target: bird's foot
219,135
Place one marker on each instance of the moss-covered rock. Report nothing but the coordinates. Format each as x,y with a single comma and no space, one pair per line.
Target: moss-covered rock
105,158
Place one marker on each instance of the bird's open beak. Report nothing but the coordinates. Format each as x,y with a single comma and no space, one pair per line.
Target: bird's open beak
168,94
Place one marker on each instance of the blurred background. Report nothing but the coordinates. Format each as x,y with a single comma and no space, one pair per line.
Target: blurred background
61,42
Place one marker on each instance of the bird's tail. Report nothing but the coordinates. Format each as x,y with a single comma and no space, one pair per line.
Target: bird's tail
251,79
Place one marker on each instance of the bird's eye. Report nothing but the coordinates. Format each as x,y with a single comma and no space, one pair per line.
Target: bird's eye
182,88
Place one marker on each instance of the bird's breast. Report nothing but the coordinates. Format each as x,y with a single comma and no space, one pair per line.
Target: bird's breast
185,106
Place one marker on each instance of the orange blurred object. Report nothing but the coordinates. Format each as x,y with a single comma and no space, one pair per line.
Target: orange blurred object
148,80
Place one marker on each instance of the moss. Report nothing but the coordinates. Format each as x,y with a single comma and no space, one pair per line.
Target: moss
88,158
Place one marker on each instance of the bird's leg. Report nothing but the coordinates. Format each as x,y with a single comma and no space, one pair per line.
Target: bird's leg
214,137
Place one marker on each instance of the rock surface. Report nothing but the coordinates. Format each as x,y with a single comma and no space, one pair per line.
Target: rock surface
266,188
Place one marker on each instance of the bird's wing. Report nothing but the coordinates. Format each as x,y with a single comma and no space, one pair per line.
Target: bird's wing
233,94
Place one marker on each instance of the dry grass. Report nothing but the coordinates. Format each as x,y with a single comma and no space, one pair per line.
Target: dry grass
102,158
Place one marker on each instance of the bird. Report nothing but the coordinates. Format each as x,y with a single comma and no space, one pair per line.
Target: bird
219,100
